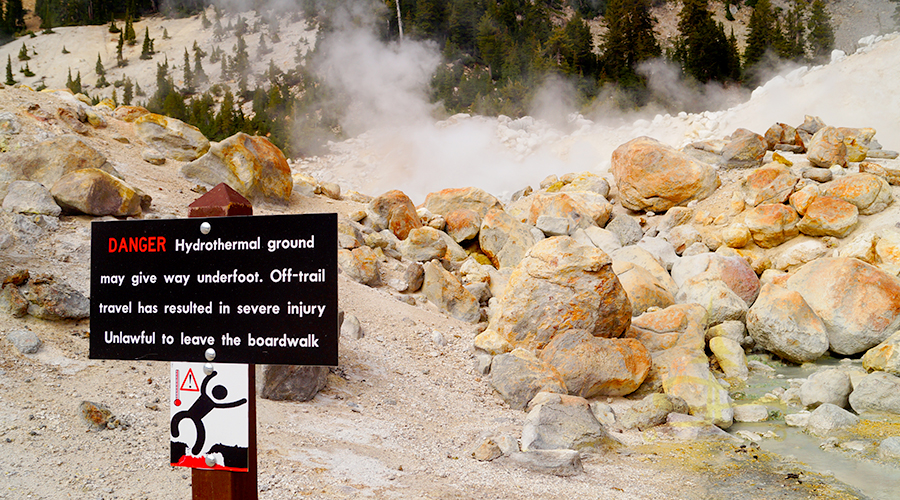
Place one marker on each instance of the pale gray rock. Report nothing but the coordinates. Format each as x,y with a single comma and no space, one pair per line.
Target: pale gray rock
829,418
564,463
153,156
603,239
651,411
687,428
889,448
26,341
55,301
830,386
9,124
28,197
554,226
751,413
423,244
720,302
877,392
519,375
781,322
562,426
351,327
171,137
448,294
661,249
626,228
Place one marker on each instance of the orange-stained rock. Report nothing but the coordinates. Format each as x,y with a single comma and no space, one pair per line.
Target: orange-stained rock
642,288
885,356
772,183
585,208
395,211
172,137
593,366
871,194
656,177
448,200
504,239
462,224
857,142
782,133
745,150
361,264
772,224
859,303
448,294
561,285
251,165
827,148
801,199
130,113
94,192
829,216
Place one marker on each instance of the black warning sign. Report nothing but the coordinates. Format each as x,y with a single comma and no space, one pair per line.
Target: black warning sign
257,289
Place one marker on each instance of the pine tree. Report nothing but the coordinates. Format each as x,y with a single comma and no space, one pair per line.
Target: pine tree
130,35
762,35
112,25
204,20
9,71
127,92
64,51
120,59
199,75
27,71
23,53
702,48
101,73
188,75
821,33
166,34
793,41
77,83
14,20
629,40
147,48
263,49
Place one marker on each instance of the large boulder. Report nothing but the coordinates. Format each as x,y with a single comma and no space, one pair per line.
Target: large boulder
857,141
781,322
827,148
172,137
518,376
643,289
714,295
772,183
447,201
885,356
733,270
830,385
583,208
772,224
859,303
504,239
877,392
656,177
94,192
423,244
47,161
561,285
552,426
871,194
290,382
829,216
394,211
52,300
448,294
251,165
651,411
361,265
29,197
594,366
746,149
675,337
828,419
648,262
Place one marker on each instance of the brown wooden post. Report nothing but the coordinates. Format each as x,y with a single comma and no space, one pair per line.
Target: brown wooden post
222,201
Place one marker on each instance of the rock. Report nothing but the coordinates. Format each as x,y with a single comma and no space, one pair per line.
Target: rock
682,237
587,181
351,327
447,201
828,418
12,301
349,235
593,366
251,165
519,375
818,174
130,113
801,200
331,190
557,426
858,303
745,150
9,124
687,428
28,197
887,252
94,192
643,289
98,416
564,463
554,226
734,271
885,356
733,330
174,138
305,185
871,194
448,294
504,239
395,211
47,161
584,209
826,386
751,413
888,172
361,265
601,238
772,224
714,295
626,228
889,448
781,133
675,338
405,277
656,177
290,382
731,357
661,249
647,261
827,148
463,224
55,301
877,392
829,216
736,236
651,411
798,253
781,322
561,285
26,341
857,142
799,419
153,156
423,244
772,183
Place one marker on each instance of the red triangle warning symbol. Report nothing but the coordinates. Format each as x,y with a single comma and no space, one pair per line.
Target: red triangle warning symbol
190,383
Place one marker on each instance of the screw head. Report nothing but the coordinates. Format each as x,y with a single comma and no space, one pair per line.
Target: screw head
205,228
210,354
208,368
210,461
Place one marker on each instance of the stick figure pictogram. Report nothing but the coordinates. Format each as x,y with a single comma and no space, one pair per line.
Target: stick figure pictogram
201,408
